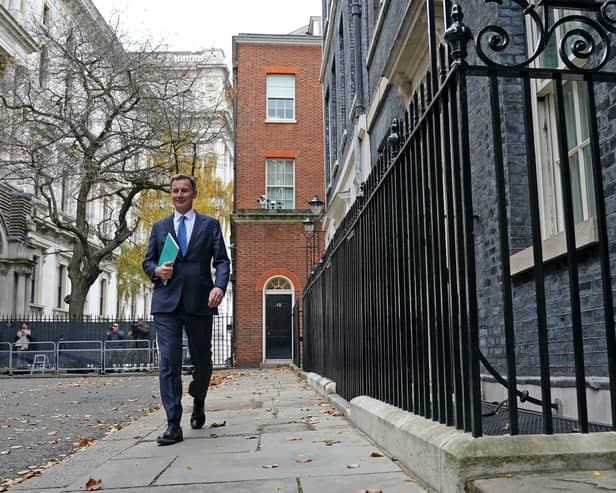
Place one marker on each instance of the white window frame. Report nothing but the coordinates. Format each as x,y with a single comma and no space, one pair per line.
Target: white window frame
102,296
271,95
268,186
546,147
60,286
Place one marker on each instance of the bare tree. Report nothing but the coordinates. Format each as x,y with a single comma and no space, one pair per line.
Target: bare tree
92,125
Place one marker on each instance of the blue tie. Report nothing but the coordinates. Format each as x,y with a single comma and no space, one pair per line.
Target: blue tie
182,234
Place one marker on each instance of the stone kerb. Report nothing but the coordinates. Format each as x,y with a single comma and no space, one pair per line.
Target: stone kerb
446,459
323,385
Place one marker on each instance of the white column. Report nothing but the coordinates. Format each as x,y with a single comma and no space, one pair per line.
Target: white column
15,9
20,294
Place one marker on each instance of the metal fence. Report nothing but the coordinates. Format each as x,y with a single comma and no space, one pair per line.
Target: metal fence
80,355
38,357
392,311
297,335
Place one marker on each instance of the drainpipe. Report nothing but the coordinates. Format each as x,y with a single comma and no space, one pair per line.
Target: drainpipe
359,86
232,238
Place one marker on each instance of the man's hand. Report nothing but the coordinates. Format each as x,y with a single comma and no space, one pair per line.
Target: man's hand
164,271
216,295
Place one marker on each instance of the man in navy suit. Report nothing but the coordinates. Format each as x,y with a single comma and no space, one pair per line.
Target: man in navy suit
185,296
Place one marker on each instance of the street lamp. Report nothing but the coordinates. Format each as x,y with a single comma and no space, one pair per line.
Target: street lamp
313,239
308,225
316,205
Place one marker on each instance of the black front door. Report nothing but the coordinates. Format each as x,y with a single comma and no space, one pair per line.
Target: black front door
277,326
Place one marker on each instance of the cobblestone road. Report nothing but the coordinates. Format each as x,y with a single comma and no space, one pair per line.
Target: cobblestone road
44,419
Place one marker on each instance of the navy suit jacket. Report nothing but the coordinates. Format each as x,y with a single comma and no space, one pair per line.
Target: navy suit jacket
192,273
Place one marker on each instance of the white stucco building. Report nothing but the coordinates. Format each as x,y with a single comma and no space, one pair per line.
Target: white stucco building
33,253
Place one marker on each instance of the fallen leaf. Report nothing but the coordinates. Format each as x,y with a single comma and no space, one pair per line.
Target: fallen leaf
376,454
16,446
270,466
251,437
596,474
94,484
84,442
508,475
5,452
371,490
217,424
51,433
188,468
294,439
329,443
303,460
352,466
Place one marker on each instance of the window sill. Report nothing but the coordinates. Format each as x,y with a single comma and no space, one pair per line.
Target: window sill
555,247
280,121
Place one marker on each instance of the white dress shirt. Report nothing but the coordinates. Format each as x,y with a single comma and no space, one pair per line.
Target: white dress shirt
189,222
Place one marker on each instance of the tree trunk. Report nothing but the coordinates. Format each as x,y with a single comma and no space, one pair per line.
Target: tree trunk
83,275
76,301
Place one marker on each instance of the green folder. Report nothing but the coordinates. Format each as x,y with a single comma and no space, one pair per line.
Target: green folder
169,253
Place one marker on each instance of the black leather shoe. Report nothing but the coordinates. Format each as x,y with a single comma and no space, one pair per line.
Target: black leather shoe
197,418
173,434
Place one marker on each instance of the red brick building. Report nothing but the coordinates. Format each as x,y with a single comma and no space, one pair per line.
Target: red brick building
278,169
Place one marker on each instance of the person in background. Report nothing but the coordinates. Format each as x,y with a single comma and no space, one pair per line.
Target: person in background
139,331
23,338
114,333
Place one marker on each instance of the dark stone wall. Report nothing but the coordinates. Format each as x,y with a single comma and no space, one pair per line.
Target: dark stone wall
481,136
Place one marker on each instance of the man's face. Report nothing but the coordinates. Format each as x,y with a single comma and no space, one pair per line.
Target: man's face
115,327
182,195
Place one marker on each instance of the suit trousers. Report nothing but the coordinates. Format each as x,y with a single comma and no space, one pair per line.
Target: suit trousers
169,335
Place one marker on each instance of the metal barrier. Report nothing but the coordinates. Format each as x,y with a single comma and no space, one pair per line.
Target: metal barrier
94,355
186,363
39,357
127,356
6,357
81,356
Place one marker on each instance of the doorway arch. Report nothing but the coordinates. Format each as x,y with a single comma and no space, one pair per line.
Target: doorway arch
278,295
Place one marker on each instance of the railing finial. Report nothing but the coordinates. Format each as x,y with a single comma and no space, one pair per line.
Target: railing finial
458,35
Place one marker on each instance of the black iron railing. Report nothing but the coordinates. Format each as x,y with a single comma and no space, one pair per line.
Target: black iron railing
297,335
395,309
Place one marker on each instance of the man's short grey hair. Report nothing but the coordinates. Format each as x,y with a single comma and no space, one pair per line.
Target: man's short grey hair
190,178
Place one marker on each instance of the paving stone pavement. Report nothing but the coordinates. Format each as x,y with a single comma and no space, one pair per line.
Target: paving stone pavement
267,432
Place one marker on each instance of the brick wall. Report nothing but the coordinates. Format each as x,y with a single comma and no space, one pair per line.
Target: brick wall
258,140
266,250
270,244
